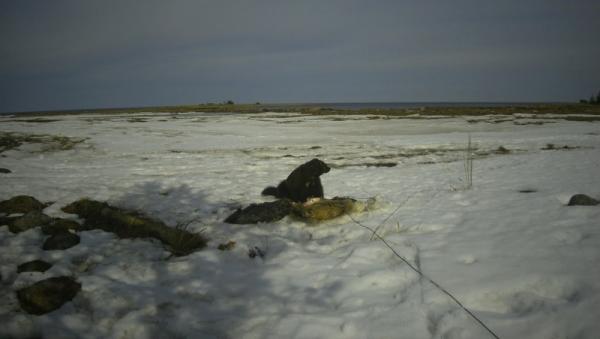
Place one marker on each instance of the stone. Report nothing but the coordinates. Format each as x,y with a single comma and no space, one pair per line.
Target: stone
34,266
20,204
29,220
302,184
582,200
264,212
5,170
48,295
60,225
61,241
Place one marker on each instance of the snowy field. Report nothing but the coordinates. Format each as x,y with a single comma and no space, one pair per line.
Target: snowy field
509,248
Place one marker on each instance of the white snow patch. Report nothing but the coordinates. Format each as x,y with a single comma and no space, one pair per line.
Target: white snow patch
525,263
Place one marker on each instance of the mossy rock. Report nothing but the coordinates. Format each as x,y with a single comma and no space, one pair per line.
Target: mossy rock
48,295
21,204
132,224
86,208
60,225
29,220
34,266
61,241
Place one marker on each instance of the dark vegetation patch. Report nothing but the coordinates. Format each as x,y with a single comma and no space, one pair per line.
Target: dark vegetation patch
34,120
39,120
228,246
365,164
582,118
137,120
132,224
553,147
272,110
502,150
11,140
529,122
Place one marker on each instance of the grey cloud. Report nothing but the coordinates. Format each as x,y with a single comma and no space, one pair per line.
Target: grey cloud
64,54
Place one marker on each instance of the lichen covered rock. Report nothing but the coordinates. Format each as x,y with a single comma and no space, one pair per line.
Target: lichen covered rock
48,295
20,204
30,220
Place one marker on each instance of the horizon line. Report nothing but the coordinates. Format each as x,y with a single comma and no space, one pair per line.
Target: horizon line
306,103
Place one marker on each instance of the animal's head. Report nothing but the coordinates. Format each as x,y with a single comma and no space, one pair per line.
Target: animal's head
317,166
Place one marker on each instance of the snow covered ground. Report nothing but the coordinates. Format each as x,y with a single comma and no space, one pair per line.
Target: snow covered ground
525,263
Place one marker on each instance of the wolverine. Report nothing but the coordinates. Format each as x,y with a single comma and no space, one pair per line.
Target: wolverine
302,184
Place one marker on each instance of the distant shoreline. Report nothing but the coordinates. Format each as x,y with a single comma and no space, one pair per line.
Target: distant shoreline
386,109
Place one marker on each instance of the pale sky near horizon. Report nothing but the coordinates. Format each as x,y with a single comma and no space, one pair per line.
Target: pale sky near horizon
91,54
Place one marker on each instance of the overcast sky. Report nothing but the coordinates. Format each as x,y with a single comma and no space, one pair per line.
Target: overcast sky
86,54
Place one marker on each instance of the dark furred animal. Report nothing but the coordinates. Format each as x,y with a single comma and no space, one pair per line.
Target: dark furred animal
303,183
